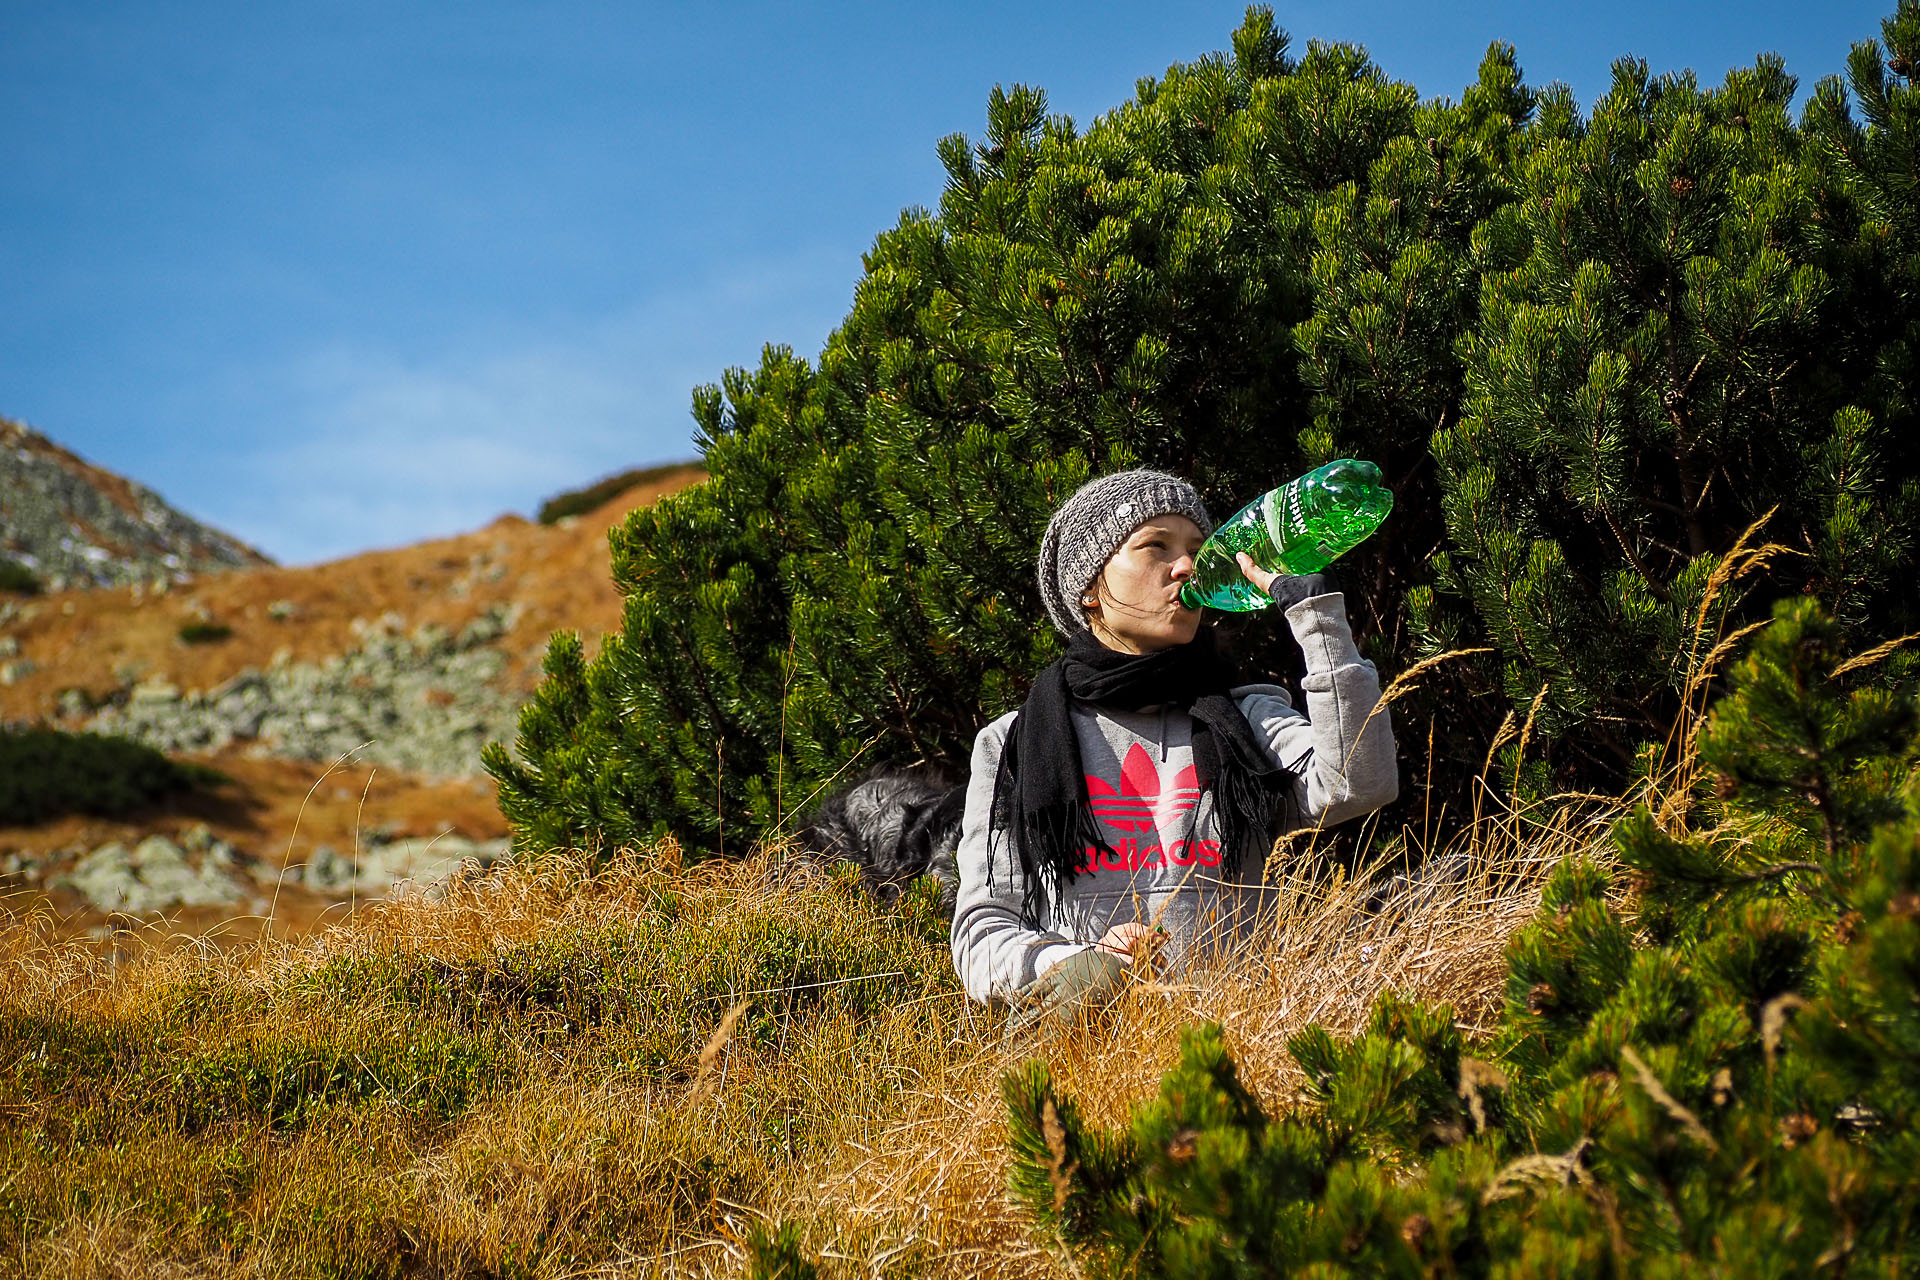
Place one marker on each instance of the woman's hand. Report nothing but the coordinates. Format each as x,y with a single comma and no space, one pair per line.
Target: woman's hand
1286,590
1125,940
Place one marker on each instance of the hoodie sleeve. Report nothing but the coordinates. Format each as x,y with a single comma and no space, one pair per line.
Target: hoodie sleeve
996,955
1342,746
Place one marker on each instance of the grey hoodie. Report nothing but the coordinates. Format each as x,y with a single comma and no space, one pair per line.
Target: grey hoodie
1165,862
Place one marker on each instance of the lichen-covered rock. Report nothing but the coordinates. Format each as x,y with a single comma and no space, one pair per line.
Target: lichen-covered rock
152,877
425,702
391,864
327,872
426,861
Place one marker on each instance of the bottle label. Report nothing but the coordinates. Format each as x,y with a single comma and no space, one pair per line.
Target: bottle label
1297,518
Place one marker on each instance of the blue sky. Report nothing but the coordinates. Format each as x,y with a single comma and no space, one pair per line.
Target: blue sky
348,275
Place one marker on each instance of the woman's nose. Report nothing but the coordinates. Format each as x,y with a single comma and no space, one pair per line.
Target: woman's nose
1183,568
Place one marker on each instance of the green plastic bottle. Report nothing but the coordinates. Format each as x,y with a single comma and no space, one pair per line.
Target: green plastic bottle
1301,527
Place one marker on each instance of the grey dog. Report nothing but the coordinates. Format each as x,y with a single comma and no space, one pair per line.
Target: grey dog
896,823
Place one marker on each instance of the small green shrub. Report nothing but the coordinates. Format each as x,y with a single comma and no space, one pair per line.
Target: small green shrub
17,579
45,773
105,1074
430,1071
774,1254
204,632
577,502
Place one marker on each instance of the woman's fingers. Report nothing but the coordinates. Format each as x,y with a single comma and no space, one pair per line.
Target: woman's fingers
1123,940
1255,574
1119,940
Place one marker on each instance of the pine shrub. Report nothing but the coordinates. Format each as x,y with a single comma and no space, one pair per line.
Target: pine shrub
17,579
1589,350
1708,1060
45,773
577,502
205,633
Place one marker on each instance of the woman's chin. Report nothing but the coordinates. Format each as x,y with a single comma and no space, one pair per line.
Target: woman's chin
1170,630
1183,626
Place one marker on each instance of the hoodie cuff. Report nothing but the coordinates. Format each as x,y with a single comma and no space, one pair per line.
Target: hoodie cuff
1320,626
1055,953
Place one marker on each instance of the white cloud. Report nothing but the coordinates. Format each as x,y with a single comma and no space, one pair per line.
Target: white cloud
368,447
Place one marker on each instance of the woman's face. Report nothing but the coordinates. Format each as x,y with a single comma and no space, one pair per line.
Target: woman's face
1136,597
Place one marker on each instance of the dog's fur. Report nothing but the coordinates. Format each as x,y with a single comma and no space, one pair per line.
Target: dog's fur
896,824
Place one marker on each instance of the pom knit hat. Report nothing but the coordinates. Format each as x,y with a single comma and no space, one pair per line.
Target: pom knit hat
1092,524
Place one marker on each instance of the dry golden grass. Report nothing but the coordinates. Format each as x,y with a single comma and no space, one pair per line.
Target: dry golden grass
563,1070
557,1070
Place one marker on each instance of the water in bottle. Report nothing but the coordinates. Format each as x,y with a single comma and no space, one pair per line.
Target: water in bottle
1301,527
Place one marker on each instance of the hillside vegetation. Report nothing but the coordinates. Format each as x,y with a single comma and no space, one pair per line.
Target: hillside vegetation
404,661
1675,1031
46,774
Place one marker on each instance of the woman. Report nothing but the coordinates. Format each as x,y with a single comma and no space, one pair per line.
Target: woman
1133,800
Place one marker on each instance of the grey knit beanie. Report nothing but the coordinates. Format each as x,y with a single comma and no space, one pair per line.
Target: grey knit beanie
1092,524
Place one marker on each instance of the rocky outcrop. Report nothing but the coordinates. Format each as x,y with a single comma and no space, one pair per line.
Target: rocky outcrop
75,525
389,863
198,869
425,701
159,875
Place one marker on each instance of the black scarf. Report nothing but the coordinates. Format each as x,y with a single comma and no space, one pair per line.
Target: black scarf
1040,800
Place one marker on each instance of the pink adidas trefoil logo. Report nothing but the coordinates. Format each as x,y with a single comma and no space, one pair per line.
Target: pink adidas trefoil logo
1145,808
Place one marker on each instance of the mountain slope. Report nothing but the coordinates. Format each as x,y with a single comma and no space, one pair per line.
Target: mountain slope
400,662
76,525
